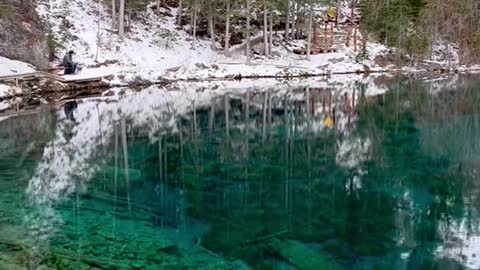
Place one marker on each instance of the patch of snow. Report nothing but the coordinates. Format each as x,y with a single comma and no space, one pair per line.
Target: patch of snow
4,90
4,105
7,90
352,152
445,53
12,67
462,244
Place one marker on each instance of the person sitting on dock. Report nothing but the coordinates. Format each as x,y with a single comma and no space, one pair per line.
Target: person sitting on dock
70,66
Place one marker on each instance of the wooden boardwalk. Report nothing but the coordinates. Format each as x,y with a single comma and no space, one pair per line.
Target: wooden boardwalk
45,75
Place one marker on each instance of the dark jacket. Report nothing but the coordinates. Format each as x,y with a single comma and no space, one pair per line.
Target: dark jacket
67,60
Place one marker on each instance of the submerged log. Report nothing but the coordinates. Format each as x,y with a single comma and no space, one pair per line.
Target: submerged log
98,262
264,237
119,201
133,174
299,254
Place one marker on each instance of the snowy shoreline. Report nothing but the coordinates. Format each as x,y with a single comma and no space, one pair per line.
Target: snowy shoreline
8,92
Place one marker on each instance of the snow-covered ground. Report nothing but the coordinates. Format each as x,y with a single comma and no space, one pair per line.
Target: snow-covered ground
12,67
339,83
8,90
154,48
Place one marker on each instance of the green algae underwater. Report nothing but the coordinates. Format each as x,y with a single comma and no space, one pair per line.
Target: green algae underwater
248,180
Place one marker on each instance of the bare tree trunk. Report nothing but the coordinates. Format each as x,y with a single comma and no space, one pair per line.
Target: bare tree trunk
121,19
337,15
158,7
300,15
114,14
210,23
180,7
194,24
247,53
287,21
226,47
265,28
304,15
270,38
354,38
294,18
309,40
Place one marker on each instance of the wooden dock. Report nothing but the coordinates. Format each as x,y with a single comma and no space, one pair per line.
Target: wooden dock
45,75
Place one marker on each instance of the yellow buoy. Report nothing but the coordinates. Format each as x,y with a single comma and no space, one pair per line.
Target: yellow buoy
328,122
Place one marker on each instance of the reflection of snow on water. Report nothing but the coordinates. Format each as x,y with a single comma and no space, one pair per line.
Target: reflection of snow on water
69,157
67,160
461,244
352,152
72,158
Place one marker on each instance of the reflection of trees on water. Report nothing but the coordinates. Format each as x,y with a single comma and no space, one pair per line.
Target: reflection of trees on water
260,162
22,141
425,141
252,165
256,163
408,195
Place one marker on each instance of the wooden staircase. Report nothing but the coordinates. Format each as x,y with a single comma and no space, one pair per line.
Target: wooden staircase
328,37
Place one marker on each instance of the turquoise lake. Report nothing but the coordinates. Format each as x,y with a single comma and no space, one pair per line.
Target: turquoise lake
259,178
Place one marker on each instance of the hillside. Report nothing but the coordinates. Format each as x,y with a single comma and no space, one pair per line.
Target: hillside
22,34
154,46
